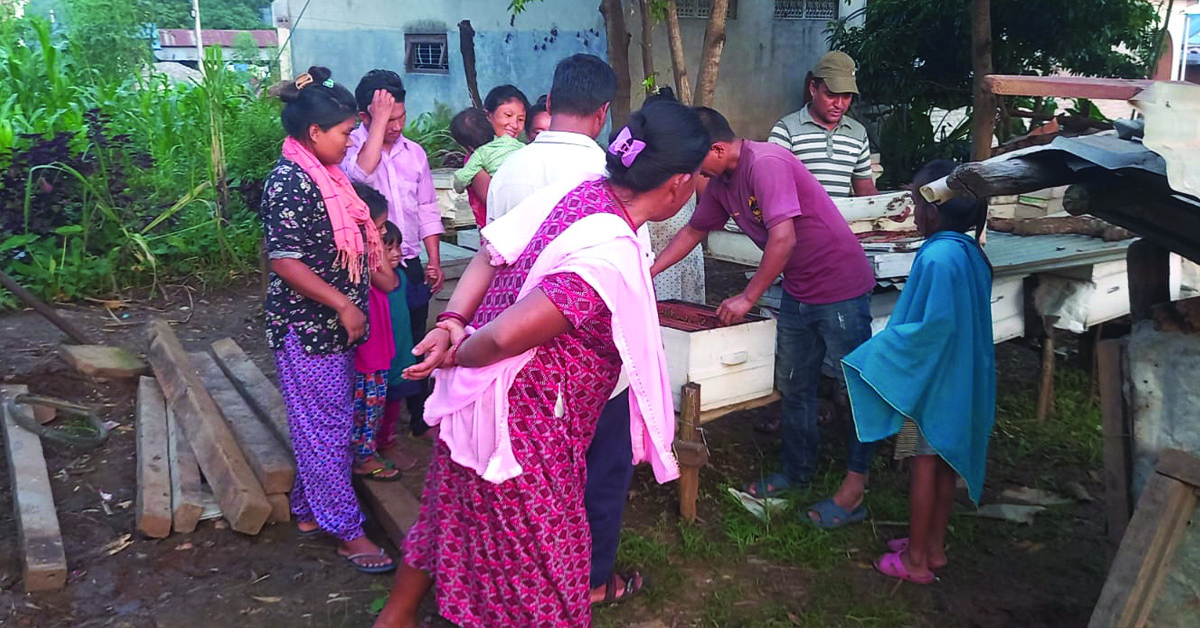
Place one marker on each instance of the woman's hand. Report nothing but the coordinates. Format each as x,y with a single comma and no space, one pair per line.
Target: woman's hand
435,278
353,320
434,347
457,334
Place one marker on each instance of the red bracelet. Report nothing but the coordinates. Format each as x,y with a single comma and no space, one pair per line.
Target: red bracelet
452,316
457,346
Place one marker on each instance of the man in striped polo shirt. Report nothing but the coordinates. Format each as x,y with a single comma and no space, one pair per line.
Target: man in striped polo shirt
832,146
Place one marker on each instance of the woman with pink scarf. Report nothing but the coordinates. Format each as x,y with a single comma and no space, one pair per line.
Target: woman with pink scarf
503,535
322,247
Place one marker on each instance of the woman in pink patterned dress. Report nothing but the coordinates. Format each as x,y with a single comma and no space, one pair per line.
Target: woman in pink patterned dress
502,535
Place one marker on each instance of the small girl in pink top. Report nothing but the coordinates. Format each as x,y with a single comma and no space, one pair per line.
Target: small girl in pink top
373,358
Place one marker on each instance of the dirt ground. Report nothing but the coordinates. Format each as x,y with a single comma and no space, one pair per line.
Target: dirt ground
728,570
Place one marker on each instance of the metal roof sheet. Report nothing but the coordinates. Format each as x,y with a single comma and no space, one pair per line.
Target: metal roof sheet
1022,255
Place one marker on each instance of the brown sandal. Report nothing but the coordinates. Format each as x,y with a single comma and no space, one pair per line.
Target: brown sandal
615,594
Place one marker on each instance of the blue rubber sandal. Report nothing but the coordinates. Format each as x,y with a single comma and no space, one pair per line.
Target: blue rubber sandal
763,487
833,516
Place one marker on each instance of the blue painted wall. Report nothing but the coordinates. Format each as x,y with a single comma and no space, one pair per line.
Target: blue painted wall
354,36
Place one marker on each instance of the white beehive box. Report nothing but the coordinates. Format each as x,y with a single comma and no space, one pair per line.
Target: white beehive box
732,364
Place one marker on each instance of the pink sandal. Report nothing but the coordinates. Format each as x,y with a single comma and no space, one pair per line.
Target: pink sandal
898,545
891,565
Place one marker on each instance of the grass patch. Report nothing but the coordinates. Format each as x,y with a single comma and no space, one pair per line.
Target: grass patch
1071,437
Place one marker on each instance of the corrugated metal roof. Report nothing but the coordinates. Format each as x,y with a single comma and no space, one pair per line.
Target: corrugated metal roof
185,38
1020,255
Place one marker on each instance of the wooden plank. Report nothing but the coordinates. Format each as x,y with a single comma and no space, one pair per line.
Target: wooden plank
716,413
272,464
689,477
1145,556
242,500
1179,465
259,392
1064,86
1118,459
393,506
1149,268
38,534
1045,401
187,490
152,506
281,508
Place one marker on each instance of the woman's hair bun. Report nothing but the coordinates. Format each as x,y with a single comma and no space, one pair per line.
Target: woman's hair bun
319,74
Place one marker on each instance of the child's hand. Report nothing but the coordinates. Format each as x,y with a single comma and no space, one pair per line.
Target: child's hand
381,105
353,320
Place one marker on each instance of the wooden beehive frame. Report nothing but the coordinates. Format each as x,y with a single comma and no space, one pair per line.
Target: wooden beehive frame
1151,539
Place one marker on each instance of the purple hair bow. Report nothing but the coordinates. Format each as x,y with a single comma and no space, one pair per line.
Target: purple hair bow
626,147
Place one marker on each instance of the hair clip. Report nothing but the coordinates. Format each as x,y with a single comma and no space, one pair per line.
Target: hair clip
328,83
626,147
304,80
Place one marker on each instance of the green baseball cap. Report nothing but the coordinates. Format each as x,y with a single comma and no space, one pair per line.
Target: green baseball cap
837,70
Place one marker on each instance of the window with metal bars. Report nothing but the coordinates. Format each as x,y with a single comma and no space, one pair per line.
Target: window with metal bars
703,9
426,54
806,9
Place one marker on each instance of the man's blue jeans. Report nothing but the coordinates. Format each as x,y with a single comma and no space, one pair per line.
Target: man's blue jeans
806,333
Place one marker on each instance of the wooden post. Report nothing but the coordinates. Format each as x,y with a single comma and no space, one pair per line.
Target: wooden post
1149,267
983,120
1045,405
689,476
1110,378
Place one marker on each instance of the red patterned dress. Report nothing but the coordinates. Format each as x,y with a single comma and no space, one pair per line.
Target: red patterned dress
518,553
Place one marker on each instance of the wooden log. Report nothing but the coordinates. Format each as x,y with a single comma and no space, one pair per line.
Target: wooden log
272,464
1139,206
1065,86
1006,177
1144,558
242,500
259,392
1149,268
1049,225
689,476
152,505
46,311
38,535
393,506
1118,459
281,508
187,490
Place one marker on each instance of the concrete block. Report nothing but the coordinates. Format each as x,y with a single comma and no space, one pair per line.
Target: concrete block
103,362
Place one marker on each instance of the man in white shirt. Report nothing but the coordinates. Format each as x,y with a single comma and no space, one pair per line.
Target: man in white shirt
566,153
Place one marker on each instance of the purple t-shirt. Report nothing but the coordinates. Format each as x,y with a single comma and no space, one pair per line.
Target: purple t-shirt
769,186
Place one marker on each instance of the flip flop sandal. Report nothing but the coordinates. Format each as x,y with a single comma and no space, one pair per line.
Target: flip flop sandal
898,545
310,534
891,565
367,569
833,516
633,585
377,475
773,485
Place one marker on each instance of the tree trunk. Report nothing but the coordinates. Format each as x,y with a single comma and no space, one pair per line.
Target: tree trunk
618,57
683,88
714,45
983,124
466,46
647,43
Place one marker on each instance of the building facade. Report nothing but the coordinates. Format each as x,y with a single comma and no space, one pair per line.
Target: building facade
422,40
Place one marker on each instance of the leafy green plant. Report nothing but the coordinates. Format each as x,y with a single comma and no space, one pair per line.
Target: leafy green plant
431,130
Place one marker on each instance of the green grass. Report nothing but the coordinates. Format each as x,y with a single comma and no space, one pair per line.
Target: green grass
1070,437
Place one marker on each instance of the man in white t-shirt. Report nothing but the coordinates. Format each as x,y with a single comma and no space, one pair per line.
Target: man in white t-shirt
566,153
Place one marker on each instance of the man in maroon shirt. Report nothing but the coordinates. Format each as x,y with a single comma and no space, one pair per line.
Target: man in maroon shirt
827,284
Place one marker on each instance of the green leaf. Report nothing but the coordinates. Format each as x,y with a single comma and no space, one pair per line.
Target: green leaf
17,241
69,230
